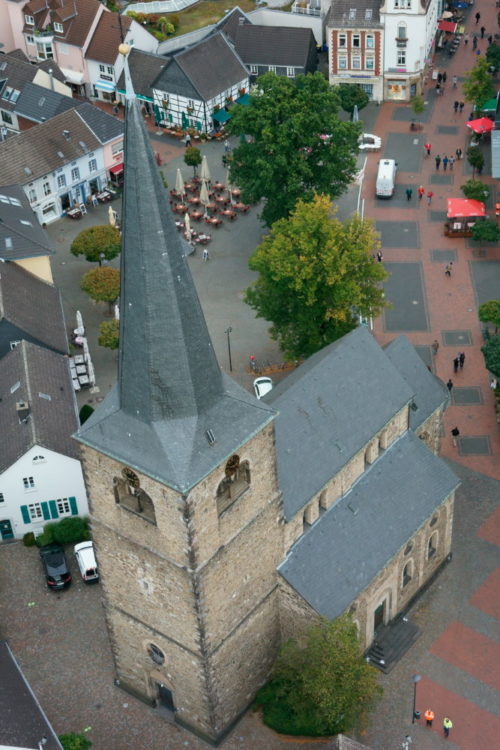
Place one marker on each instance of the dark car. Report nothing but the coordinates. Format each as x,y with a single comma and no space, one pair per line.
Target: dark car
55,566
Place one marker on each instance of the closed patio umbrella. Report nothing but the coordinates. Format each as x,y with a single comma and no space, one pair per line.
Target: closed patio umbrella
111,216
179,183
187,224
205,171
229,188
204,197
355,114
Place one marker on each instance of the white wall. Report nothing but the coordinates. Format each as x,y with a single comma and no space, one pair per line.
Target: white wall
56,477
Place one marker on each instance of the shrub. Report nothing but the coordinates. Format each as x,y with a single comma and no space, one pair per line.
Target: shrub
71,530
491,353
476,190
486,230
75,741
29,539
158,35
47,536
174,18
85,413
109,334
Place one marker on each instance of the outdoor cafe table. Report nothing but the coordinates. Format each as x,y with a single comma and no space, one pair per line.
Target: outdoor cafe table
194,200
180,208
190,187
221,200
214,221
243,207
196,215
236,192
218,186
203,239
229,214
104,197
74,213
211,206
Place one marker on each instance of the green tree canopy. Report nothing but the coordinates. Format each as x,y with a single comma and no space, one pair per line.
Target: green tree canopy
192,157
486,230
75,741
109,334
417,104
351,95
102,284
493,56
322,685
478,85
316,275
491,353
97,243
475,159
489,312
286,157
476,190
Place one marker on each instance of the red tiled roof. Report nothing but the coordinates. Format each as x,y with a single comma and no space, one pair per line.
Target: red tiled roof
107,38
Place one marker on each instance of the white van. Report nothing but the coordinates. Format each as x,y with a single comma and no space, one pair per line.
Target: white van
386,178
85,558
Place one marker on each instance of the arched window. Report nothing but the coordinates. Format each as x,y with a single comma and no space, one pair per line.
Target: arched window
234,484
130,495
408,548
407,573
432,545
156,654
434,520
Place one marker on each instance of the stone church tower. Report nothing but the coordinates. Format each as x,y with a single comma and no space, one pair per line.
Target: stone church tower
181,475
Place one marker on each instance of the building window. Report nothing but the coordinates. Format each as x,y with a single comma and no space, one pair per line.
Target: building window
130,495
253,69
156,654
102,68
356,41
35,511
32,195
396,3
401,57
75,174
271,68
408,4
6,117
63,506
342,40
61,181
356,63
30,39
434,520
116,148
2,499
46,188
234,484
402,31
432,545
29,483
58,27
342,63
408,548
110,70
93,165
370,63
39,459
290,72
368,14
407,573
370,41
30,21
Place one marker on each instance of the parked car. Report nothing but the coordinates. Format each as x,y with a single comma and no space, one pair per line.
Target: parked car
56,568
85,559
262,386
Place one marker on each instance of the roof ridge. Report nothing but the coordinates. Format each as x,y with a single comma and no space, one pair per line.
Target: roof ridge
24,360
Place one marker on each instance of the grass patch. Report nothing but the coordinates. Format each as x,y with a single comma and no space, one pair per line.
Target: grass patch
205,13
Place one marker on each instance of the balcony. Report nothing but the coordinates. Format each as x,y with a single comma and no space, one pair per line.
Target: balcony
305,8
46,36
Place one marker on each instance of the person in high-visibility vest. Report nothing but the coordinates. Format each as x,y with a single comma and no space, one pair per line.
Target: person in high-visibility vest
429,717
447,725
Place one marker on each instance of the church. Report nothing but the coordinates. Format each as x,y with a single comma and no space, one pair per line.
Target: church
224,524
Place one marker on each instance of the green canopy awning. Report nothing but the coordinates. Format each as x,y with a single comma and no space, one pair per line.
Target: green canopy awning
490,105
244,99
221,115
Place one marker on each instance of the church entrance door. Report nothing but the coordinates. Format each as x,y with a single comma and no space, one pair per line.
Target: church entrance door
379,617
165,700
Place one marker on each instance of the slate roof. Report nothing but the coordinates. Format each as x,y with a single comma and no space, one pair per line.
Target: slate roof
230,22
204,70
105,127
38,104
21,235
340,15
171,393
144,67
33,305
107,38
329,408
44,380
345,549
23,721
273,45
16,73
429,391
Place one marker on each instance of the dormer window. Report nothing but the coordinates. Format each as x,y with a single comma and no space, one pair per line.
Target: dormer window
29,20
59,28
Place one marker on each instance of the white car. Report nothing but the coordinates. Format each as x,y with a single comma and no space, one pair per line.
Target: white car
262,386
370,142
85,558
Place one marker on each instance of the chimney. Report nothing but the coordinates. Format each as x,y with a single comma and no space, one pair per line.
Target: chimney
51,79
23,410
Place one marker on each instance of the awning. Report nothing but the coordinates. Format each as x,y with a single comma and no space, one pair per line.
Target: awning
73,76
117,169
490,105
447,26
464,208
105,86
482,125
222,115
137,96
244,99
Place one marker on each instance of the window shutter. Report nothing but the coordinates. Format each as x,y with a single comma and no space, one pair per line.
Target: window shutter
74,508
53,509
25,514
45,511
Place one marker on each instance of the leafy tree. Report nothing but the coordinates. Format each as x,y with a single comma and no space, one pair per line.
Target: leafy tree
475,159
491,353
322,685
192,157
476,190
478,85
351,95
75,741
489,312
97,243
486,230
316,275
109,334
102,284
297,145
493,56
417,104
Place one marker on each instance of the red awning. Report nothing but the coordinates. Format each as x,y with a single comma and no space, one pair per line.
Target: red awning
464,208
447,26
117,169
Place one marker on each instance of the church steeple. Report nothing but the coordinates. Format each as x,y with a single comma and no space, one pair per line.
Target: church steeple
173,415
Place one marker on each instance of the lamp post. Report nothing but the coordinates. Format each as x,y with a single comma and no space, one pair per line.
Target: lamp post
228,334
416,679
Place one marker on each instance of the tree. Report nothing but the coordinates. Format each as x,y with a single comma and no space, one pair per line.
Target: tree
351,95
478,84
486,230
102,284
493,56
316,276
97,243
75,741
297,145
109,334
417,104
475,159
321,685
192,157
491,353
476,190
489,312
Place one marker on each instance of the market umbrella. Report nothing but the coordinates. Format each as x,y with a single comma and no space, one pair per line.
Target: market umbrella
179,183
205,171
482,125
229,188
187,224
111,216
355,114
204,197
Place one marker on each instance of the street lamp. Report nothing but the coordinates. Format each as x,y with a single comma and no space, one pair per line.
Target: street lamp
228,334
416,714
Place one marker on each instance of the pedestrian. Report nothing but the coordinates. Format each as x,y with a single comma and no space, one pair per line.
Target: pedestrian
455,432
445,163
456,105
448,268
429,197
187,140
461,108
478,16
206,256
449,385
429,717
439,77
421,192
482,30
478,52
444,77
466,39
409,193
458,153
490,39
455,81
456,364
461,358
380,257
427,147
474,43
438,89
435,346
451,162
493,384
447,723
227,147
437,159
